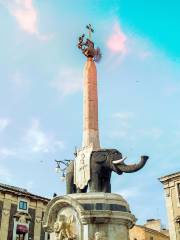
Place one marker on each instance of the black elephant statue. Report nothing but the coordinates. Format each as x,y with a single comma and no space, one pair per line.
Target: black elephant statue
102,163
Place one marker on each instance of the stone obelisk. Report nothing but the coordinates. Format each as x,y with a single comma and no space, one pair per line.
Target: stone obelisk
90,107
82,173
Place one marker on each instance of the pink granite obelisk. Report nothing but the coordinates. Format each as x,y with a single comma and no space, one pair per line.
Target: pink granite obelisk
90,106
90,142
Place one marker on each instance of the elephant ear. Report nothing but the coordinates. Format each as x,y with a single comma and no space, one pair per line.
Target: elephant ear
99,156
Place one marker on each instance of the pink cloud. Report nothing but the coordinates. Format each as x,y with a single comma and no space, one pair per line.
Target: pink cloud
26,15
117,41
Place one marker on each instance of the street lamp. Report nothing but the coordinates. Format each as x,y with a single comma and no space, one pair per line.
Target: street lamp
61,167
58,167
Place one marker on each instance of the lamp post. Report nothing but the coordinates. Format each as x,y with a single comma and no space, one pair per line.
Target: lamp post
61,167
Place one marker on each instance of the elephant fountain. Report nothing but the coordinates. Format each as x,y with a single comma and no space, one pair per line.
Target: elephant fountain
102,163
90,210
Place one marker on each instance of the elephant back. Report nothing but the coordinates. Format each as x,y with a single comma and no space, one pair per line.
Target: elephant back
103,155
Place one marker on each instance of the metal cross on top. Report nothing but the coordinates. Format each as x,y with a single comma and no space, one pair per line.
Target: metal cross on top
90,31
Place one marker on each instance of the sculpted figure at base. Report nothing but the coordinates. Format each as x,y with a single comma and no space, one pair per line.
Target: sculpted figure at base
100,236
102,163
62,229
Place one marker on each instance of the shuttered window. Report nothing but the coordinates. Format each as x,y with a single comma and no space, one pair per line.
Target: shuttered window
22,205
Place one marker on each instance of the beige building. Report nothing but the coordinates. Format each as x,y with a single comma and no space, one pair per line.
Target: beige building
21,214
171,185
152,230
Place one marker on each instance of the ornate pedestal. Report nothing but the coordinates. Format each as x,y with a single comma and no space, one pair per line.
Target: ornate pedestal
88,216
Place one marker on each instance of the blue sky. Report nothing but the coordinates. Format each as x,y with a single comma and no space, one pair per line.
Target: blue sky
139,92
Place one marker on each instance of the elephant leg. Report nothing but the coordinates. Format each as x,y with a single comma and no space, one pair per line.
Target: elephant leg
70,186
94,184
106,185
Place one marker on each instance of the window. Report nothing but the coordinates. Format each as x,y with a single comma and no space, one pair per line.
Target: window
22,205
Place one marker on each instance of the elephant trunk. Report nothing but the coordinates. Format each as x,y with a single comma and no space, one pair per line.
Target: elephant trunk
134,167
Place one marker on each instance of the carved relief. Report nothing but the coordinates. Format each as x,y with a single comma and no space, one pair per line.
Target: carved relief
6,212
67,225
82,167
22,217
100,236
38,219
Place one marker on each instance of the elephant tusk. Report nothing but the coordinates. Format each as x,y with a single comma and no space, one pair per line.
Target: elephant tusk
120,160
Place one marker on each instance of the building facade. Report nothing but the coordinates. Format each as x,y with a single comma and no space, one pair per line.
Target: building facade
21,214
171,184
152,230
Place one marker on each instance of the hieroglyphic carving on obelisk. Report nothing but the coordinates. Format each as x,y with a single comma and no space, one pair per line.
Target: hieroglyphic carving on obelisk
90,112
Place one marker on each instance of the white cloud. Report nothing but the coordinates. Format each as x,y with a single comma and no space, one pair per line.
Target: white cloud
5,175
171,89
4,123
123,115
7,152
29,185
119,134
40,141
154,132
129,192
124,118
69,81
18,80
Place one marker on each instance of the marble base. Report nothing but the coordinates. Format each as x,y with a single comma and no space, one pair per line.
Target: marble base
89,216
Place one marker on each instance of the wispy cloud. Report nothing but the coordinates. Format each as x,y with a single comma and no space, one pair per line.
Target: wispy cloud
123,118
4,123
7,152
69,81
29,185
25,13
126,128
40,141
18,80
145,54
171,89
130,192
123,115
5,175
117,40
154,132
26,16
